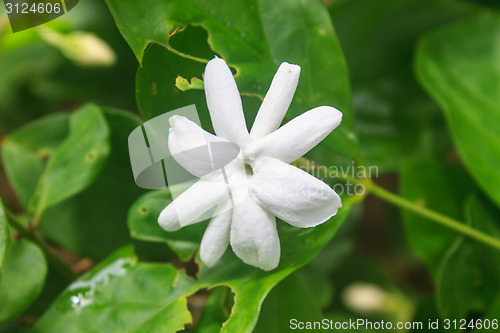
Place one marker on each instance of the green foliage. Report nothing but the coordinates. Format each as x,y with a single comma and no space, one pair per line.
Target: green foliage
249,284
76,162
139,295
70,204
105,285
253,44
95,214
458,66
292,298
24,152
469,279
4,233
22,276
395,120
440,187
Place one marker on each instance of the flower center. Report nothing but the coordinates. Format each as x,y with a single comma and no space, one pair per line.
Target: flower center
248,169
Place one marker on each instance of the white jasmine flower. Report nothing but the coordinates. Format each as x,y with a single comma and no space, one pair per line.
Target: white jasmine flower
260,184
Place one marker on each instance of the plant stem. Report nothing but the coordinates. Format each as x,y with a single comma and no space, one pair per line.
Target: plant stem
54,260
396,200
434,216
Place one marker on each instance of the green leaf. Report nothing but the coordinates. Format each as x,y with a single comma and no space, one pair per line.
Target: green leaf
264,35
216,310
395,119
156,91
250,285
291,299
469,277
25,150
121,295
22,276
458,65
77,161
184,84
43,134
4,233
98,213
93,222
440,187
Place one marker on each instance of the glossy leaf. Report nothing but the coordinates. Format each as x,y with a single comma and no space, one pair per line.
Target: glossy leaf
458,65
263,36
395,120
77,161
121,295
250,285
121,281
440,187
469,277
22,276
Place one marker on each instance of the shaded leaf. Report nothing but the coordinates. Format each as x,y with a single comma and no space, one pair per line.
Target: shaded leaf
440,187
469,277
22,276
290,300
458,65
395,119
77,161
215,311
25,151
93,223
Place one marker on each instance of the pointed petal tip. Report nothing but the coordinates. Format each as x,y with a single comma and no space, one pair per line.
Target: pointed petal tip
173,120
176,120
292,68
216,61
168,220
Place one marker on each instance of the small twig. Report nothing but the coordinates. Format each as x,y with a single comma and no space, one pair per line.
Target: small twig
55,261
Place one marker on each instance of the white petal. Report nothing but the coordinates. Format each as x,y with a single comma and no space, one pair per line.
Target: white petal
292,194
254,237
277,100
216,237
188,207
296,137
224,103
196,150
